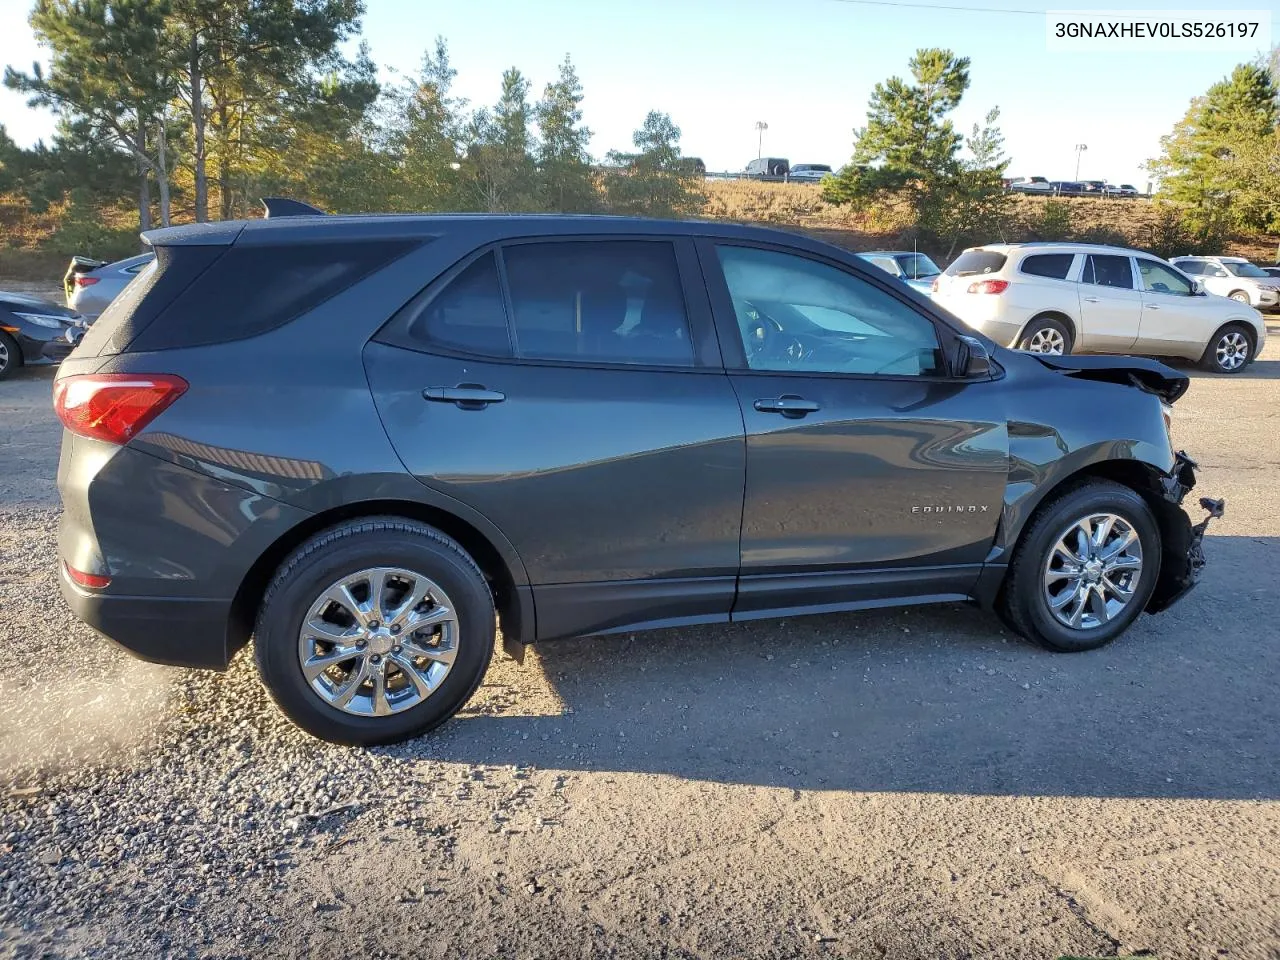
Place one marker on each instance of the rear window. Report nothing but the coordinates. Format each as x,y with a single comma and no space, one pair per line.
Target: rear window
251,290
1055,266
973,262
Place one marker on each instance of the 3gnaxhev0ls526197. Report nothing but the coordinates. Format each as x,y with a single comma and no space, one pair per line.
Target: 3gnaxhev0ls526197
356,439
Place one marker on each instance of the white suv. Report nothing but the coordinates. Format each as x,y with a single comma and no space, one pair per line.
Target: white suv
1233,277
1060,297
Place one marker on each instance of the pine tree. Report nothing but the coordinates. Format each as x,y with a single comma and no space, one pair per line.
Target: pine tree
1207,159
656,181
500,159
425,136
564,165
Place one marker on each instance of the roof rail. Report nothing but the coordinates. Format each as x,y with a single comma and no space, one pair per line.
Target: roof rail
286,207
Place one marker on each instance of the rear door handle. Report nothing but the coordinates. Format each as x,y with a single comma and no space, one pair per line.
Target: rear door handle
467,396
788,405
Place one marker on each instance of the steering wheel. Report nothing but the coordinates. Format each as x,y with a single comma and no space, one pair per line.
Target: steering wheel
765,338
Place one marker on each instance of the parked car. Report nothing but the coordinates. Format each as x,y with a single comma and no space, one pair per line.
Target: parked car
90,285
809,171
27,325
1030,185
1062,297
768,167
1097,187
914,269
537,432
1272,271
1066,188
1233,277
1124,190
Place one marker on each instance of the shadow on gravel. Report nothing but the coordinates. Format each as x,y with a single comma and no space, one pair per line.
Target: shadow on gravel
931,699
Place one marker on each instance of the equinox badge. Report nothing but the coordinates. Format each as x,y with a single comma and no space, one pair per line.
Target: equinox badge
951,508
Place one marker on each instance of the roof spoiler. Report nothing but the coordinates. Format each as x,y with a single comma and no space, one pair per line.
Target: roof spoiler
285,207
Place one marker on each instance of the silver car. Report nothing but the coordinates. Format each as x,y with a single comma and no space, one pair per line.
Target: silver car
914,269
92,284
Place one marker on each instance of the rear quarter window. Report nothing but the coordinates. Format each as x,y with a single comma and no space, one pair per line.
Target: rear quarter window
973,262
1055,266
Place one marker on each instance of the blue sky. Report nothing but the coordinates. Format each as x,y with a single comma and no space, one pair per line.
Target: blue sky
806,67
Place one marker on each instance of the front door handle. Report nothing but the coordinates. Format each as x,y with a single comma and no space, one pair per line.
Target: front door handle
1151,306
467,396
788,405
1090,299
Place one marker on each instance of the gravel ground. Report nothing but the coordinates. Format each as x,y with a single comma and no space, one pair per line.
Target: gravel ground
881,784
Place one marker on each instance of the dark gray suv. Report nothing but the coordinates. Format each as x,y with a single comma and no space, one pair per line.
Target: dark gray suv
367,442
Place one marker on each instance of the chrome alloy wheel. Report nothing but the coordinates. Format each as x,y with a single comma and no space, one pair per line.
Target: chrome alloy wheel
1047,340
1092,571
379,641
1232,350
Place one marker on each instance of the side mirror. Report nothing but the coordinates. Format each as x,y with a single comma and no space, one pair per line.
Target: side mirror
974,360
1197,288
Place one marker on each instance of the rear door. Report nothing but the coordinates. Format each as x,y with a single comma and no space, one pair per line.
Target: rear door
871,474
1110,305
571,391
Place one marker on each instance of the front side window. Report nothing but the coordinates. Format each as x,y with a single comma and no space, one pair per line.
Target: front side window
1108,271
611,301
1157,278
796,314
1193,267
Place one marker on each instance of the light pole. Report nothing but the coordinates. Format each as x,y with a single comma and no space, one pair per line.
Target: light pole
761,127
1080,148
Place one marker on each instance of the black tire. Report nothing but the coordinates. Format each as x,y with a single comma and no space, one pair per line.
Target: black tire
1212,361
1239,296
344,550
1025,606
10,355
1042,324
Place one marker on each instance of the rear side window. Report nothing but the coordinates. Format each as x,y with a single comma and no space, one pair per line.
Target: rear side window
1055,266
251,290
614,301
973,262
468,314
1108,271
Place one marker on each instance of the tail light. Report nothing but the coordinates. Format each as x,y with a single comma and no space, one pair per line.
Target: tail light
91,581
82,281
989,286
114,406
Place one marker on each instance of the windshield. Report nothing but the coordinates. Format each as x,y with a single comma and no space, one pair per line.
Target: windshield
917,266
1245,270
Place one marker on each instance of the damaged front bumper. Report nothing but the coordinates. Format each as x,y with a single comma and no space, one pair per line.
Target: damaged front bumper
1183,552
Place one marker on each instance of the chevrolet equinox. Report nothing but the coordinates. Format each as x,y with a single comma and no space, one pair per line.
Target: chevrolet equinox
369,443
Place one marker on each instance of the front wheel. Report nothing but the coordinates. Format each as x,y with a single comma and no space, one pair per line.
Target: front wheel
1046,335
1239,296
1229,351
375,632
1085,568
10,355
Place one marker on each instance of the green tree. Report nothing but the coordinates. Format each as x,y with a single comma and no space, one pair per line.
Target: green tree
969,203
564,165
1208,160
112,76
424,136
655,181
908,144
500,162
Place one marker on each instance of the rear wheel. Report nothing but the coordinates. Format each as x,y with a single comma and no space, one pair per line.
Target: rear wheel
1229,351
1046,335
10,355
1085,568
375,632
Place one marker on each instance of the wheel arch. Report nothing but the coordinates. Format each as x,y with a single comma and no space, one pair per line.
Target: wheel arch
514,602
1058,315
1145,479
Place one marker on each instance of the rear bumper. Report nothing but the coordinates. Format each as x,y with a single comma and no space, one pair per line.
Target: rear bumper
182,632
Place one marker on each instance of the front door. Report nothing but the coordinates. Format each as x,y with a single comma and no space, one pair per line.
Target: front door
571,393
1110,306
871,474
1175,320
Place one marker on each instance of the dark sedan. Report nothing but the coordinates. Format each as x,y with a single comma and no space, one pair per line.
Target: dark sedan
28,327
